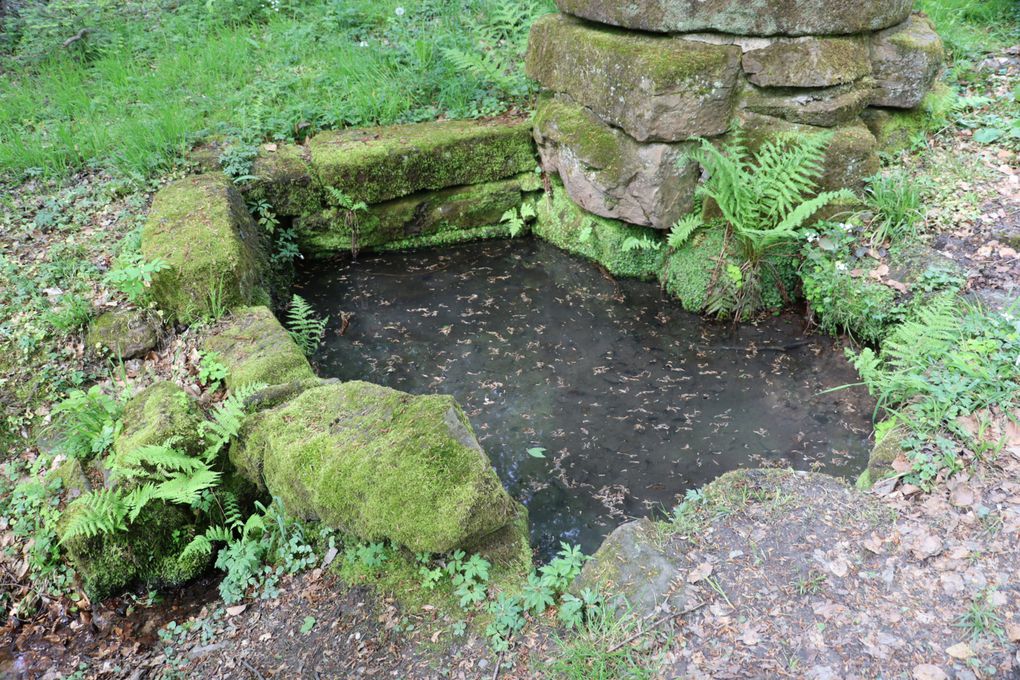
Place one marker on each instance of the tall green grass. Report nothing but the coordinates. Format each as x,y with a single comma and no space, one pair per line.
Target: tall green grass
133,105
971,27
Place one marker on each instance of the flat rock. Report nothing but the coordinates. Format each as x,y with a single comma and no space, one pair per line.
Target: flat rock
629,565
808,62
610,174
656,88
744,17
123,333
379,164
907,60
824,107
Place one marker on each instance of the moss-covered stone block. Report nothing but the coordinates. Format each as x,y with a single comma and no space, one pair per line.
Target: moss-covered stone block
656,88
123,333
284,178
453,212
808,63
379,464
161,413
607,173
72,477
256,348
888,447
199,226
852,155
149,552
380,164
567,226
823,107
907,60
744,17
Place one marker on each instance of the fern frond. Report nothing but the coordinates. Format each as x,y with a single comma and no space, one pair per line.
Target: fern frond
186,489
99,512
306,327
683,230
199,547
138,498
159,458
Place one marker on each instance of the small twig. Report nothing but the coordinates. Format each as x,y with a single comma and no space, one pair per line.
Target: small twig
499,663
76,37
252,670
658,622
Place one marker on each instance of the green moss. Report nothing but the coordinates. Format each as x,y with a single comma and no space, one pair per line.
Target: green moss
124,333
285,180
160,413
148,553
579,129
689,272
448,238
389,162
897,130
429,217
199,226
72,477
888,447
256,348
379,464
566,225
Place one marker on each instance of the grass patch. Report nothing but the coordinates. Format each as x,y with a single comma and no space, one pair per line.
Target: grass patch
138,90
969,27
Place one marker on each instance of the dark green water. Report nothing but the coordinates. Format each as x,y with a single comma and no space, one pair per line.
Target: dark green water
634,400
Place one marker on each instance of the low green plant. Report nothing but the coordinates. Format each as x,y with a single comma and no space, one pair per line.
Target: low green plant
133,276
981,620
632,243
211,371
765,197
304,325
73,313
598,648
88,421
517,219
896,203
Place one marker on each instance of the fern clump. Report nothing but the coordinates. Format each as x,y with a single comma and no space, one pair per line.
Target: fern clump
765,199
306,327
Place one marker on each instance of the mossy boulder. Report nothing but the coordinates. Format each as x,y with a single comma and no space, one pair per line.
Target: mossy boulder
655,88
149,552
888,447
744,17
907,60
456,213
808,62
379,464
123,333
380,164
283,177
256,348
199,226
161,413
607,173
73,480
823,107
569,227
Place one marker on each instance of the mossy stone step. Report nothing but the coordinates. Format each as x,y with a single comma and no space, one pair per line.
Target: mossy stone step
449,214
808,62
380,164
200,227
744,17
907,60
656,88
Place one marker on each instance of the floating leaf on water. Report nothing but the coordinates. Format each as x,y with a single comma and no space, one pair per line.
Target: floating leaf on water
536,452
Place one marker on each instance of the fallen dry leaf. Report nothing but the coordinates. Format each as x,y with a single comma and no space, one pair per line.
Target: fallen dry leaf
700,573
960,650
926,671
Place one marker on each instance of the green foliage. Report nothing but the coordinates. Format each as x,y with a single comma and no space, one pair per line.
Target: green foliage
73,314
597,650
981,620
88,422
507,618
632,243
305,326
227,418
133,276
211,371
766,197
950,360
517,220
973,28
896,202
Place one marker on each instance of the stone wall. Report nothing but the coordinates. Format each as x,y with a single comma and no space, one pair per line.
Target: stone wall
626,96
